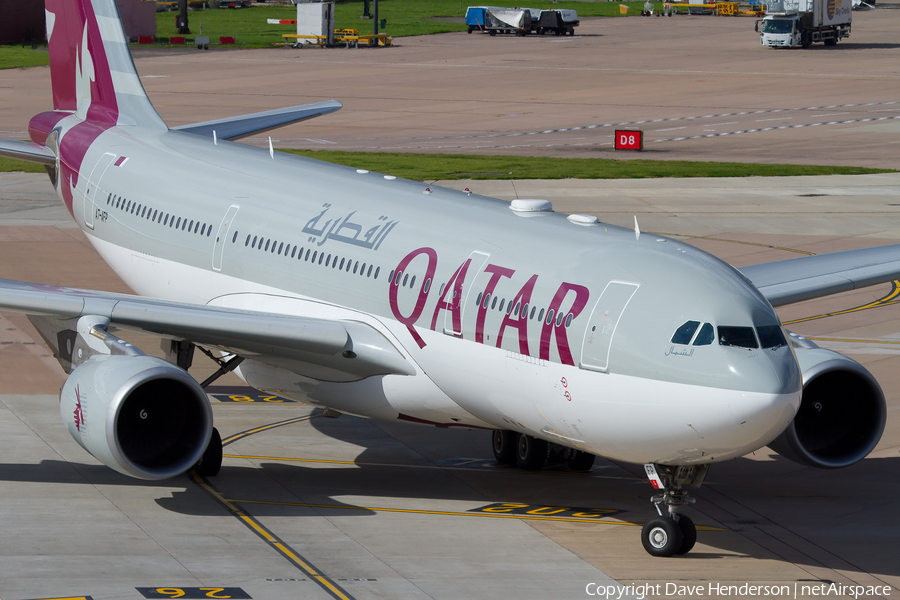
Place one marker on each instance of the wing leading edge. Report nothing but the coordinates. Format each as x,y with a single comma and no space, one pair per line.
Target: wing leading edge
797,279
234,128
318,348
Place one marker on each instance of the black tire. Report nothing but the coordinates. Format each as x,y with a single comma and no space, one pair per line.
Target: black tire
580,461
688,534
805,39
211,461
661,536
492,32
531,453
831,42
471,29
504,446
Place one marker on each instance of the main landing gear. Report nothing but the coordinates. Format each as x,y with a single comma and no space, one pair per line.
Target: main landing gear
671,532
531,453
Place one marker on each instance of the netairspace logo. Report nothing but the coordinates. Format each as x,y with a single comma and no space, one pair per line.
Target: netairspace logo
713,590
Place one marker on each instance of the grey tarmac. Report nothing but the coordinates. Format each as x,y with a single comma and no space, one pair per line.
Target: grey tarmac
392,510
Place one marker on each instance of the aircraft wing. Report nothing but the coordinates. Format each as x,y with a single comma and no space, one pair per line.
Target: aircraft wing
235,128
323,349
27,151
797,279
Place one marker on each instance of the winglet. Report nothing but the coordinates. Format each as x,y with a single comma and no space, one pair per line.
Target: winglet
637,229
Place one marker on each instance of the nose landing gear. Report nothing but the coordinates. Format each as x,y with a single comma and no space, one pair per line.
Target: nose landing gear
671,532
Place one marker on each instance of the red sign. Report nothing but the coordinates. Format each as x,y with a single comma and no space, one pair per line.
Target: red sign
629,139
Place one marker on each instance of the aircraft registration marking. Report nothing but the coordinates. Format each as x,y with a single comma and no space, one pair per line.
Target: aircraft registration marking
194,592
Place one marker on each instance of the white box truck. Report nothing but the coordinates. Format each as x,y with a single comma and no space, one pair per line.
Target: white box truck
792,23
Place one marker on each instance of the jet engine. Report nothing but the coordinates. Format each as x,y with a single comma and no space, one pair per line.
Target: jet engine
842,412
139,415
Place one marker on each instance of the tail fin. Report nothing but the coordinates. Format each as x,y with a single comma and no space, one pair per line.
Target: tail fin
91,68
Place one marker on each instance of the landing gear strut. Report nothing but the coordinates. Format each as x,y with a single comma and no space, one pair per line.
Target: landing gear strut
671,532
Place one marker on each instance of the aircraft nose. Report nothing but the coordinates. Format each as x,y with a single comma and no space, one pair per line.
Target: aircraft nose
764,413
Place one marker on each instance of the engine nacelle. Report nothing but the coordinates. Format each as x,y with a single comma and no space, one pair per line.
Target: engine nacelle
139,415
842,412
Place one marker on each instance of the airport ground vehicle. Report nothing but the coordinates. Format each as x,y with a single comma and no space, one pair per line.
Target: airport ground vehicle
802,22
521,21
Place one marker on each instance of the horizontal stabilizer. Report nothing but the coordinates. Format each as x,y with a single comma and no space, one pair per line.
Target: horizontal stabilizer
797,279
234,128
27,151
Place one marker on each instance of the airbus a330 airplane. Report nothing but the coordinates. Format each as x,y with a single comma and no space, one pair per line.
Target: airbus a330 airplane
370,295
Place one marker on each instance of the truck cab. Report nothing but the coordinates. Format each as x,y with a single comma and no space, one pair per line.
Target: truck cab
792,23
780,31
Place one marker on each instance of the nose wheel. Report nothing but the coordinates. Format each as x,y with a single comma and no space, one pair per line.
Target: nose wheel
671,533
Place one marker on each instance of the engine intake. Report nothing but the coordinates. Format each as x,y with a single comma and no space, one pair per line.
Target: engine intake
841,416
139,415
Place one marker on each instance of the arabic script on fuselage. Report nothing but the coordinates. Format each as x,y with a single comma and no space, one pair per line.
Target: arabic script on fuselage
344,230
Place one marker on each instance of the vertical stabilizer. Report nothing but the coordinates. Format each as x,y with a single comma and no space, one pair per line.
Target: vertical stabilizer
91,68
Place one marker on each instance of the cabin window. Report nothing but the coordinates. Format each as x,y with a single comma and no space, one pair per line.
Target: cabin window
549,317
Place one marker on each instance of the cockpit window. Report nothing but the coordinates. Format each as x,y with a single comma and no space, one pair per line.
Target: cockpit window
771,336
742,337
706,335
684,333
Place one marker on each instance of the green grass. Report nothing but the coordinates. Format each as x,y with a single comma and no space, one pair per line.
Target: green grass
249,28
460,166
404,18
8,165
17,57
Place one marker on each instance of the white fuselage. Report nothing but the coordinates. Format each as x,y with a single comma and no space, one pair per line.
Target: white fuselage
603,378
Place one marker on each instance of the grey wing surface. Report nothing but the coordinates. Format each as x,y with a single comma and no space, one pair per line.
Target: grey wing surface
27,151
797,279
332,350
234,128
